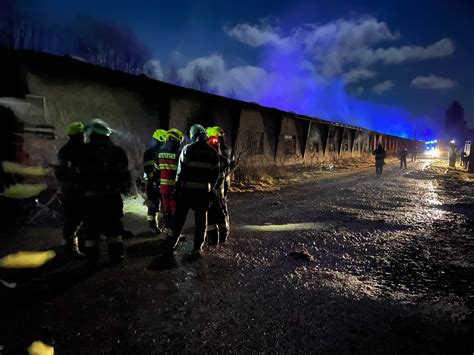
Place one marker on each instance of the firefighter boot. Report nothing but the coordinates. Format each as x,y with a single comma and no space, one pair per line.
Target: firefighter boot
199,242
92,250
223,232
172,241
152,223
212,235
115,249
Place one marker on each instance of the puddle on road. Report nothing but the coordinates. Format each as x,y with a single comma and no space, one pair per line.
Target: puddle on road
289,227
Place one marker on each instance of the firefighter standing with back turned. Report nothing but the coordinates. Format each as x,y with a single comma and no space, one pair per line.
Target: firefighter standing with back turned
168,164
198,171
67,173
104,174
218,221
153,180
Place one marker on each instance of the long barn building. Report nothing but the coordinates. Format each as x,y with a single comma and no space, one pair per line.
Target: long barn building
46,90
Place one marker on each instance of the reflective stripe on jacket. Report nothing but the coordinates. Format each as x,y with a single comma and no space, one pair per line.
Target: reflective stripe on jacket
198,167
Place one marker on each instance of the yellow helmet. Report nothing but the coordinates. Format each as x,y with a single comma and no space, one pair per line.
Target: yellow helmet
75,128
215,131
175,134
160,135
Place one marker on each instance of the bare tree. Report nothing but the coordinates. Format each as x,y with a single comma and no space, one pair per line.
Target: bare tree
110,45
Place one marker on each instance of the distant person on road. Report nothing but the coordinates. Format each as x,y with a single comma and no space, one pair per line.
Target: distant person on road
67,173
464,159
380,155
414,153
470,161
403,158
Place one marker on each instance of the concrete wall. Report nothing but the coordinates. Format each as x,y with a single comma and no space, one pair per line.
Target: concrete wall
63,90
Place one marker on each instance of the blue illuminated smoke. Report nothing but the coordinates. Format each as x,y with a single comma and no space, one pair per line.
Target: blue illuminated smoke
294,86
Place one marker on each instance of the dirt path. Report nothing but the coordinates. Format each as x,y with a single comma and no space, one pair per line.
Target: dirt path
393,272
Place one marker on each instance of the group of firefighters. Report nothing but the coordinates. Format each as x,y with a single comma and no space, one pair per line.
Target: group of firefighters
180,175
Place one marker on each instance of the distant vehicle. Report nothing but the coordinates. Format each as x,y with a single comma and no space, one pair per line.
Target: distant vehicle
431,149
437,148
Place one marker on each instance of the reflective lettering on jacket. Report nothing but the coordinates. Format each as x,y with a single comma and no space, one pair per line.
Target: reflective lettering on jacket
168,162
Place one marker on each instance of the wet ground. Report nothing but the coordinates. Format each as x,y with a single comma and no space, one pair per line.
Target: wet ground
392,273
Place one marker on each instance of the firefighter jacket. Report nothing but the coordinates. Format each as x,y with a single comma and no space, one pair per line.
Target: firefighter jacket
103,168
168,162
198,167
150,158
223,179
403,154
67,171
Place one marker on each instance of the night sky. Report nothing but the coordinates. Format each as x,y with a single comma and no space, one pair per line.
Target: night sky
413,56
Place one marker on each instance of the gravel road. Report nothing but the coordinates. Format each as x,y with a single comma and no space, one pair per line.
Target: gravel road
392,273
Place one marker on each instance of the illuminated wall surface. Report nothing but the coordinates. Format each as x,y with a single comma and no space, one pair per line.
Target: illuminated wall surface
45,89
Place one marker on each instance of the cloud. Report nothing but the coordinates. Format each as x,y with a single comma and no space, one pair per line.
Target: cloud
153,69
433,82
382,87
442,48
357,75
337,47
258,35
210,74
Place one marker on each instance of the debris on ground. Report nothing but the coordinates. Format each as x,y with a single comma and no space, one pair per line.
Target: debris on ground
302,255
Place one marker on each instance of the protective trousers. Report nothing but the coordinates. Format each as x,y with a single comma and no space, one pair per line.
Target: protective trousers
103,215
218,220
403,162
168,205
198,201
72,213
379,168
153,204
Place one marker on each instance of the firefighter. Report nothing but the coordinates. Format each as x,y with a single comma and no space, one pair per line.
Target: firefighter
104,174
67,173
403,158
380,155
198,171
154,214
168,165
218,226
